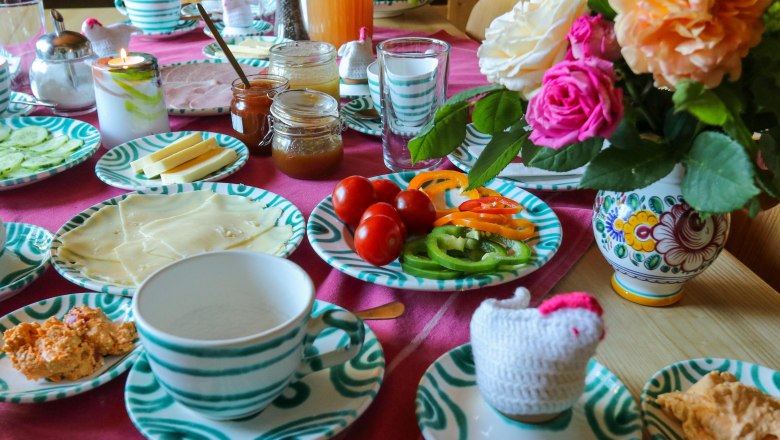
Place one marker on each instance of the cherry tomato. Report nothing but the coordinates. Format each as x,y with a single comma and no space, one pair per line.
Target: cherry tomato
382,208
416,210
351,197
378,240
386,190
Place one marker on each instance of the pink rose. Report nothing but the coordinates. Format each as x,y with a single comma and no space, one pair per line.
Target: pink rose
592,37
578,101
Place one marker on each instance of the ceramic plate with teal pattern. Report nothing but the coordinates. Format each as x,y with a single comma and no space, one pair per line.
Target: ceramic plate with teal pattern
450,406
466,156
57,126
681,375
319,406
259,27
212,50
114,167
182,27
25,257
17,108
367,126
332,240
15,388
291,215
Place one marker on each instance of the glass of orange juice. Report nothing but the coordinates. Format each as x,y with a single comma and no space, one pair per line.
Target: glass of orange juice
339,21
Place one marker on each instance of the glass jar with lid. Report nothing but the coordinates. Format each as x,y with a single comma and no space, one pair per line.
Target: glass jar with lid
307,65
250,108
306,134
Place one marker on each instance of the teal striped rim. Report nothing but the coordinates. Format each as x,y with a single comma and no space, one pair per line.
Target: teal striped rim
27,246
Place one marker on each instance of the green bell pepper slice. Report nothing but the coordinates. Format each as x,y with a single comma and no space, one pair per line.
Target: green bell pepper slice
447,245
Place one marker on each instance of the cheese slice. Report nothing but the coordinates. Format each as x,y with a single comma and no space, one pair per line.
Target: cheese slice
185,142
97,237
249,51
138,263
155,168
271,241
111,271
137,210
200,167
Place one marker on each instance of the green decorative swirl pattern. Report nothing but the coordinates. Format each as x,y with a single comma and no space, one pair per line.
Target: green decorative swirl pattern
332,240
449,406
17,108
15,388
26,254
291,215
371,127
318,406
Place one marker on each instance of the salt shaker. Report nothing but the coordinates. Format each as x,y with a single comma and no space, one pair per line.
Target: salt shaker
62,70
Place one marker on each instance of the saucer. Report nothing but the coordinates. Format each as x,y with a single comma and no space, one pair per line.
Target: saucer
18,389
320,405
372,127
17,109
259,27
25,258
182,27
681,375
449,405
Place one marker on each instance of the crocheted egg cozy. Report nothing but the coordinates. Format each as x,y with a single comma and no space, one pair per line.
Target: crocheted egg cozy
355,58
533,361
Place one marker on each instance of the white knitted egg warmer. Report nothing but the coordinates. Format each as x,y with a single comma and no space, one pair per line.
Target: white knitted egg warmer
528,363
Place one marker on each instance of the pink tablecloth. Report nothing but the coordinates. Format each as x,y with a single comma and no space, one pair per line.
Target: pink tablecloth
435,322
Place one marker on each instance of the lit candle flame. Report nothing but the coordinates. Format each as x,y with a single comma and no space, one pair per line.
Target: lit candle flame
123,55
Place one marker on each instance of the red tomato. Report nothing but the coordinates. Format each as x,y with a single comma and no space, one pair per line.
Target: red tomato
378,240
382,208
351,197
416,210
386,190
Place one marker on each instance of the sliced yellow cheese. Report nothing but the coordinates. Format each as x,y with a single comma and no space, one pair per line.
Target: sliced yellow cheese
200,167
154,169
271,241
138,262
139,209
185,142
97,237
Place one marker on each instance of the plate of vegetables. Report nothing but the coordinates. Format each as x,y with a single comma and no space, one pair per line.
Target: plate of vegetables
424,231
34,148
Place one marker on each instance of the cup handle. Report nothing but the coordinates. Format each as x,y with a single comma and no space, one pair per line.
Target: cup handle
338,319
120,6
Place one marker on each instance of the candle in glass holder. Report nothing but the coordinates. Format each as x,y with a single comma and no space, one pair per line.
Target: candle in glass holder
129,97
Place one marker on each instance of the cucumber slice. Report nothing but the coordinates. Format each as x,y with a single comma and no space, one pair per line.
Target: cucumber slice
50,145
67,148
10,162
19,172
4,131
26,137
44,161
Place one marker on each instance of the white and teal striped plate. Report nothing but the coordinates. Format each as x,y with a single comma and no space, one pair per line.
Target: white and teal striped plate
372,127
318,406
114,167
25,258
682,375
259,27
19,109
57,126
466,156
291,215
450,406
332,240
182,27
16,388
213,51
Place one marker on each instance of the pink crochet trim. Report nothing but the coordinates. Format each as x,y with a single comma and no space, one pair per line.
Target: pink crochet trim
90,22
576,300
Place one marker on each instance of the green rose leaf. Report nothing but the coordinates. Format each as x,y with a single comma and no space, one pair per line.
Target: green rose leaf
567,158
615,169
719,174
497,111
626,135
769,183
769,146
602,7
473,93
498,153
702,103
680,128
441,138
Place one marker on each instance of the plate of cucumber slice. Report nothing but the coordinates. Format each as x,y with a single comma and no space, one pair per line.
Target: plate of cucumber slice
34,148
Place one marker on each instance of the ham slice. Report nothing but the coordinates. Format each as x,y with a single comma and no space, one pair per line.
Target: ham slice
186,87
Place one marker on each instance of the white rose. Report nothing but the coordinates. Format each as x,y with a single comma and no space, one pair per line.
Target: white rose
522,44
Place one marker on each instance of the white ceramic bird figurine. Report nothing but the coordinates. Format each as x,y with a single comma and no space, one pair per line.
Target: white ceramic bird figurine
108,40
237,15
355,58
531,363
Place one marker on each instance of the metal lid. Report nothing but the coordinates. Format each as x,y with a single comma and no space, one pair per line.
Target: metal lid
62,45
305,107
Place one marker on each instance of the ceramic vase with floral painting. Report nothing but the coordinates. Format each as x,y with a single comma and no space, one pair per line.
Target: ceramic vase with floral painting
655,241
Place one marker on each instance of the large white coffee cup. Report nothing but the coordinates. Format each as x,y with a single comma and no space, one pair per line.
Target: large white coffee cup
151,16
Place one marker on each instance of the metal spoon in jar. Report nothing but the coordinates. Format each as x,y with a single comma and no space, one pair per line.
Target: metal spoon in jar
35,102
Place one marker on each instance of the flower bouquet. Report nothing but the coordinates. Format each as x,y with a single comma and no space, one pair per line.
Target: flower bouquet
629,89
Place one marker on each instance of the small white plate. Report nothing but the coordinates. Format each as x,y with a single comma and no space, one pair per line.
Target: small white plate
213,51
18,389
392,8
182,27
17,109
682,375
449,406
259,27
114,167
25,258
371,127
319,406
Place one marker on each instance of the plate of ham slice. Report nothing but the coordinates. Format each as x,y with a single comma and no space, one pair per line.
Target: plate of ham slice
200,87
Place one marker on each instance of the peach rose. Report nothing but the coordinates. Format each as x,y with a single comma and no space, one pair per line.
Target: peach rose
701,40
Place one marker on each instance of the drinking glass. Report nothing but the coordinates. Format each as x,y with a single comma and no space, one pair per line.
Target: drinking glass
338,21
413,85
21,24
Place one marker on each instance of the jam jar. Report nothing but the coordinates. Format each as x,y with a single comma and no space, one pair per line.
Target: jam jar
306,134
250,108
307,64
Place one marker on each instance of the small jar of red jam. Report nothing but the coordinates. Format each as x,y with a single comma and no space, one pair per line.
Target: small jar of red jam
307,134
250,108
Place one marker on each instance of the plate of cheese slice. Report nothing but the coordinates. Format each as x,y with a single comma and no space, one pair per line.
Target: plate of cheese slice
253,51
167,158
114,245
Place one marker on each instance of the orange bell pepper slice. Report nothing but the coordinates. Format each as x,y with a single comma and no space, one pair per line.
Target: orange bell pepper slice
509,232
492,218
450,180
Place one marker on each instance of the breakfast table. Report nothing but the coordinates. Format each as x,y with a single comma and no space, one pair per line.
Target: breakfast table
727,311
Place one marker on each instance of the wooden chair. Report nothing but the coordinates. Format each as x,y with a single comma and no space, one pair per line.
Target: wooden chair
756,242
480,14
